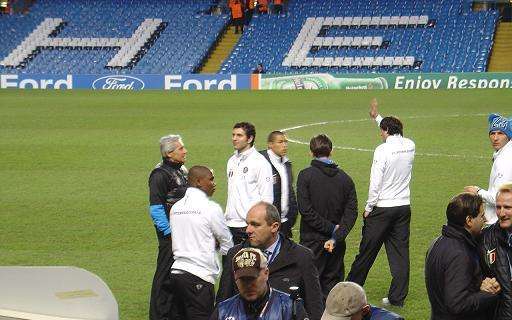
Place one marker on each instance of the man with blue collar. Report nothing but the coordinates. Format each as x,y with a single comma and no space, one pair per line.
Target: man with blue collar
500,135
290,264
256,298
387,214
327,201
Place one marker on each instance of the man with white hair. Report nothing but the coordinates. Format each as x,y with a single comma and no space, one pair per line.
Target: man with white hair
500,135
347,301
167,184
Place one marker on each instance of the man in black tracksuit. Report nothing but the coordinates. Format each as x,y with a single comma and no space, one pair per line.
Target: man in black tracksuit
284,195
496,250
455,284
290,264
327,201
167,185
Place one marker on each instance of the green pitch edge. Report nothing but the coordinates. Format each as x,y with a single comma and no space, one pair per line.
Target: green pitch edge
224,47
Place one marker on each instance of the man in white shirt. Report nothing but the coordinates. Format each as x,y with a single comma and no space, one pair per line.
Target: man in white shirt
249,179
387,214
500,135
199,228
282,179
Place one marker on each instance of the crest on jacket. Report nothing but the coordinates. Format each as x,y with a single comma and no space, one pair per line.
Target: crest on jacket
490,257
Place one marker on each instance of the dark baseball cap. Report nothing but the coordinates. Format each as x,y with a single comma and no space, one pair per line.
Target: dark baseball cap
248,262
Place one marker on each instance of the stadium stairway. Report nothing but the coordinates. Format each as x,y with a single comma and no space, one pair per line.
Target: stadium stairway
502,50
221,51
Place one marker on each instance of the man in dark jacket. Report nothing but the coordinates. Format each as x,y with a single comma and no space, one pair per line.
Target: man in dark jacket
290,264
328,204
167,185
284,195
455,285
257,300
496,249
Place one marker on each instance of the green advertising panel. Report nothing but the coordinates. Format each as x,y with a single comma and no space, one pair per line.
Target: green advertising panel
409,81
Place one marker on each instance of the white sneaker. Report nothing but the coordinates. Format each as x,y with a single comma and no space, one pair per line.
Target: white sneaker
385,301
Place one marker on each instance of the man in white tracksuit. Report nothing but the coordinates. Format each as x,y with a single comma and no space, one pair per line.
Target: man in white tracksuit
198,228
387,214
500,135
249,179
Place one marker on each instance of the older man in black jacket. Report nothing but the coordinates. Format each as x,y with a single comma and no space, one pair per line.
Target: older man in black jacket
496,249
455,284
328,204
290,264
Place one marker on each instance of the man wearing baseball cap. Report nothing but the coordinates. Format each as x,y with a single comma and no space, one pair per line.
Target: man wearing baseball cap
500,135
256,300
347,301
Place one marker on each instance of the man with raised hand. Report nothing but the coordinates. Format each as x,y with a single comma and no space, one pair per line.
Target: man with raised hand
387,214
249,179
167,184
282,179
199,228
500,135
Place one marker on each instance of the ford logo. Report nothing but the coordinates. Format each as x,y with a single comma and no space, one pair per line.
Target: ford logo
118,83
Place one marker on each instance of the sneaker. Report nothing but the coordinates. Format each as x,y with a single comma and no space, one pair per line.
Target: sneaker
387,303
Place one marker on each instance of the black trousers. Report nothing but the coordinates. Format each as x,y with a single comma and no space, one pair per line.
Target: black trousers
331,267
239,234
193,297
391,227
161,297
239,24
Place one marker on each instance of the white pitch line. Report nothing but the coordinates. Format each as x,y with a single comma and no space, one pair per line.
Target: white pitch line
370,150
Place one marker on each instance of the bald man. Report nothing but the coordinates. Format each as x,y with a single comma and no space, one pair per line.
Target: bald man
198,225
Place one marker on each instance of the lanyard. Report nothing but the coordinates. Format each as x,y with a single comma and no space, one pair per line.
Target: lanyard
266,305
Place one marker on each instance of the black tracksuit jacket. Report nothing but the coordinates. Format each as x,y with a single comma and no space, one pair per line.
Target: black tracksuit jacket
498,256
453,276
326,196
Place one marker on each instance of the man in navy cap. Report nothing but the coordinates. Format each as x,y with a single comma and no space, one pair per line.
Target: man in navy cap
500,135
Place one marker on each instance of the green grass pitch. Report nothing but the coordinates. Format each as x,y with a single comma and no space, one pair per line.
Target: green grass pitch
74,168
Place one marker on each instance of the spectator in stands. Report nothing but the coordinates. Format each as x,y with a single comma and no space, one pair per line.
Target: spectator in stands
167,185
278,6
259,69
263,6
290,264
249,10
455,284
282,178
198,227
387,214
496,250
327,201
237,15
347,301
249,179
257,299
500,135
